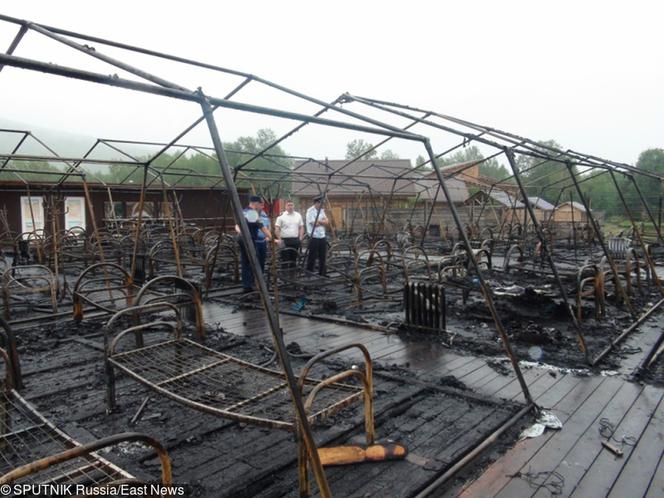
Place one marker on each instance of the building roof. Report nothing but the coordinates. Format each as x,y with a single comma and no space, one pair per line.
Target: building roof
428,186
505,199
576,205
540,203
451,169
375,175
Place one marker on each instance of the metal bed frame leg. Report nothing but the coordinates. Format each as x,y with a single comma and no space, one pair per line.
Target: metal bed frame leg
78,309
302,467
111,396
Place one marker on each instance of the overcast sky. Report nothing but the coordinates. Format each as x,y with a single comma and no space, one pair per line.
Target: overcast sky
587,74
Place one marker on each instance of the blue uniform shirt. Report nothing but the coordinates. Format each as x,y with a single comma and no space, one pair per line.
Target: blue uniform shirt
265,220
254,226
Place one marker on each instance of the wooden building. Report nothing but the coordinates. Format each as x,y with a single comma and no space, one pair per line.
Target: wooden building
367,192
110,204
569,212
495,207
542,209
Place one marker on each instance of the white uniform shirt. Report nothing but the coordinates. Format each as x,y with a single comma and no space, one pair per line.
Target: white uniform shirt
319,232
289,224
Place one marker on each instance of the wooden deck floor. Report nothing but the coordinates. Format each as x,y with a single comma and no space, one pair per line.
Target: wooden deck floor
575,453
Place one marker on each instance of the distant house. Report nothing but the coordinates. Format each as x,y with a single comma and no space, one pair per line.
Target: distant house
542,208
539,203
26,213
428,186
570,211
495,207
506,200
359,191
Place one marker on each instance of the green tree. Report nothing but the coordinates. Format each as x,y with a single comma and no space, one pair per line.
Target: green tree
598,188
419,162
388,154
650,160
361,149
267,173
31,171
544,178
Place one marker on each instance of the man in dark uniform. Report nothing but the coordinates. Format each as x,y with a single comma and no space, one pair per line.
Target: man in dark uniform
252,217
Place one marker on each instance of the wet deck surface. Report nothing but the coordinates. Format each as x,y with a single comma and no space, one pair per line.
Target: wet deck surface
63,376
580,402
240,461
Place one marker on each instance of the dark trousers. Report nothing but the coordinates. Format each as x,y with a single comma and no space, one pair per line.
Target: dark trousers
290,252
317,251
247,274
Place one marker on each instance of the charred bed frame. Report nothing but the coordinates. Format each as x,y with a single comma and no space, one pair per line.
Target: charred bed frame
34,451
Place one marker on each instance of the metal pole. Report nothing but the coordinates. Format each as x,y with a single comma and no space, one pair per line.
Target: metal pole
659,217
644,364
283,137
93,220
374,210
657,226
563,293
220,230
18,146
626,332
412,212
426,227
486,200
277,333
525,224
486,291
17,39
598,233
433,489
119,82
98,55
358,203
571,205
555,205
141,203
628,211
172,230
389,202
55,232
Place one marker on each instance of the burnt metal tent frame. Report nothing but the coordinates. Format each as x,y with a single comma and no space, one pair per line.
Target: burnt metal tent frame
74,171
355,184
505,143
510,145
349,183
24,426
208,104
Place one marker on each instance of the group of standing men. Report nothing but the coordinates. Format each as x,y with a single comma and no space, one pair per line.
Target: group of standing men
289,230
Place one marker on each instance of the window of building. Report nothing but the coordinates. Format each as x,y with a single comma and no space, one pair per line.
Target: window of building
32,213
113,211
74,212
149,210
